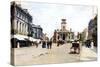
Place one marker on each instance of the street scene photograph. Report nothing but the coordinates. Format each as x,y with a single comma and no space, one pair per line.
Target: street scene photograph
50,33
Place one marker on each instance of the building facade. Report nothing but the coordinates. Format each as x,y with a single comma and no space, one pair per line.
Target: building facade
84,35
37,31
92,30
63,33
20,22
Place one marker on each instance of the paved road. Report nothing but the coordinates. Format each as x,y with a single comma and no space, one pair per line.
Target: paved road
33,55
88,54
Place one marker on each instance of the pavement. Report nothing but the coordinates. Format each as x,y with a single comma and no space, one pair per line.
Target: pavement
88,54
32,55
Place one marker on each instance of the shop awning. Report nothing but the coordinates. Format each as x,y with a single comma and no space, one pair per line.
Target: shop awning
23,37
20,37
33,39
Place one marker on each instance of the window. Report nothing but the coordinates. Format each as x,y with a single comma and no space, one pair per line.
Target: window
17,13
63,27
17,25
20,26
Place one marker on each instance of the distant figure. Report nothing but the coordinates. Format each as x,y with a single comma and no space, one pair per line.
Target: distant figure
50,43
92,45
88,43
59,42
43,44
75,46
36,43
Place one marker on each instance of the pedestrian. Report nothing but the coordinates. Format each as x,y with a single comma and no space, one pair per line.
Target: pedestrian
50,43
88,43
36,43
43,44
59,42
47,42
92,44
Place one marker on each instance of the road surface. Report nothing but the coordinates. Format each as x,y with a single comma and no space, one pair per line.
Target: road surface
32,55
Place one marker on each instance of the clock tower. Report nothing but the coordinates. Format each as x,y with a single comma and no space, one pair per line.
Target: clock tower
63,25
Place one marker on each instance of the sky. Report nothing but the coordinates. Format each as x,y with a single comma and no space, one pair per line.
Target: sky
49,16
